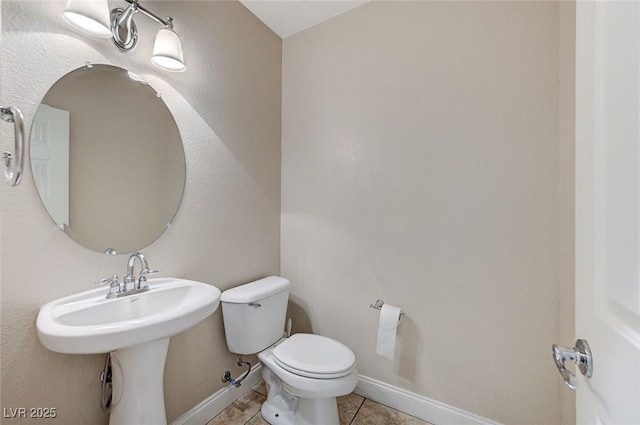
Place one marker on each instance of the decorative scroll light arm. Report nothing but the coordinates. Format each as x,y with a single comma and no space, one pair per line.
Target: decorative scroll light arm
138,7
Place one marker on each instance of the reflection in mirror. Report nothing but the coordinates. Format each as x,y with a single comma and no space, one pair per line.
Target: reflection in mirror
107,159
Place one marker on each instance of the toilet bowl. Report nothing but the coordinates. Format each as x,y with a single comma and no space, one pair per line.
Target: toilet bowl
304,373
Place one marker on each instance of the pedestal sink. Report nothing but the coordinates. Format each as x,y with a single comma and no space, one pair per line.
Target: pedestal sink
135,329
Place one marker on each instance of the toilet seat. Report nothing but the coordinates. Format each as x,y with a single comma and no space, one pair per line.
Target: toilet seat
314,356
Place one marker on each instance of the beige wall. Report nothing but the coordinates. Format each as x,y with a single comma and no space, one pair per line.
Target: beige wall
566,155
227,230
420,165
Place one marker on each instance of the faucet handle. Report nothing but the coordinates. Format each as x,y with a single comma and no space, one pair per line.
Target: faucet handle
147,271
142,280
114,285
111,280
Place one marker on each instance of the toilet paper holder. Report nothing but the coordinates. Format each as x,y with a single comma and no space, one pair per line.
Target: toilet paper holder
378,306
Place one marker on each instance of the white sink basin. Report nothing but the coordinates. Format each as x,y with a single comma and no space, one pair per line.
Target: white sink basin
135,329
89,323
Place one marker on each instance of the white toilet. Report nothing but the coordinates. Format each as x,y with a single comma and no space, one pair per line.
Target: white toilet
304,373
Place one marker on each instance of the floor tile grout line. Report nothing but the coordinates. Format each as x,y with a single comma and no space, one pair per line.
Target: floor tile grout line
251,418
353,420
359,407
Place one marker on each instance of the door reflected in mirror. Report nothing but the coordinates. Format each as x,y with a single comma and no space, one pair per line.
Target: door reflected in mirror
107,159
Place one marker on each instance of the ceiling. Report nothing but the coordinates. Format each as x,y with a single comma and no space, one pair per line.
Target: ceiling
287,17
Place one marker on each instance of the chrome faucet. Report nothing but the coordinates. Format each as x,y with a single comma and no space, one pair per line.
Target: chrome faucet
129,280
129,283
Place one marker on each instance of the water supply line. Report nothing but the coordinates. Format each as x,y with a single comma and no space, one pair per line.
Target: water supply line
106,386
226,376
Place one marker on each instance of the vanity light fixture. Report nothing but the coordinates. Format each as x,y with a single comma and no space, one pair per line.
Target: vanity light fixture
93,17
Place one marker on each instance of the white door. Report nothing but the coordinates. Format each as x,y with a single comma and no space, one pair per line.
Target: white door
608,209
50,160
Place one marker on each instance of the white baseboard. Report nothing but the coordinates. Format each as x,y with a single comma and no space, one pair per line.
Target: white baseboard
210,407
416,405
405,401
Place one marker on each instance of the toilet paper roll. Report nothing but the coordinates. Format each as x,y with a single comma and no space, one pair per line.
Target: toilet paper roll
387,330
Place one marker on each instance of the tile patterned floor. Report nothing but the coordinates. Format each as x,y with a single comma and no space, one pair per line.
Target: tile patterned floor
352,409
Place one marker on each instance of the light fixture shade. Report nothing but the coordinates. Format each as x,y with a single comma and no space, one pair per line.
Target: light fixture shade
167,51
89,16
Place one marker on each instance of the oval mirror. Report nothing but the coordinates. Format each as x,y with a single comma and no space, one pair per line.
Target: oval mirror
107,159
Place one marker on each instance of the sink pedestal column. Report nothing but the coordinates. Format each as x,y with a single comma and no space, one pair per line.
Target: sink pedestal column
138,394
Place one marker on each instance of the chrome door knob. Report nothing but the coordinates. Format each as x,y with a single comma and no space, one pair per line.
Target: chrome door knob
580,354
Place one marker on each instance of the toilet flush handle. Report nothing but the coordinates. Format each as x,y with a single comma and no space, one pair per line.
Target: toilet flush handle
255,305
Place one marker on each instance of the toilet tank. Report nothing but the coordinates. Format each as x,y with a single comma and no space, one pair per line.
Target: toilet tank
254,314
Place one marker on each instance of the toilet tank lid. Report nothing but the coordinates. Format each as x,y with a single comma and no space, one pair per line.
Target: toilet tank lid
254,291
